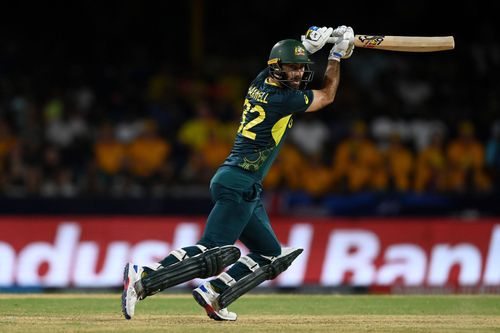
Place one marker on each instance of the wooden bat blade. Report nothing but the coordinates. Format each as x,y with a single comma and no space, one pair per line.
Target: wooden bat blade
405,43
402,43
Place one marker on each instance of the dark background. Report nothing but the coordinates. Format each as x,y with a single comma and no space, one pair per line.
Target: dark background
115,47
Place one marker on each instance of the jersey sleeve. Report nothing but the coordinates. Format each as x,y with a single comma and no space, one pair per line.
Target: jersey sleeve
296,101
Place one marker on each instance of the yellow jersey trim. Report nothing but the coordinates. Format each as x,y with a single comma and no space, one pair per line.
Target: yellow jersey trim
279,128
267,81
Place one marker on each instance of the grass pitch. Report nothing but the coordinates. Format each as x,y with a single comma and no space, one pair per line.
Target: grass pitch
257,313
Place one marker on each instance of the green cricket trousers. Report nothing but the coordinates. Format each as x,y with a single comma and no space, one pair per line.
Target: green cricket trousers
238,213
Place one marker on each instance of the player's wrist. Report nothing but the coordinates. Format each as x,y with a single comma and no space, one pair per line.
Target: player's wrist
335,56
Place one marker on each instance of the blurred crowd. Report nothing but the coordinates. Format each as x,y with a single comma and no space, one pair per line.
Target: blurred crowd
380,158
65,147
137,130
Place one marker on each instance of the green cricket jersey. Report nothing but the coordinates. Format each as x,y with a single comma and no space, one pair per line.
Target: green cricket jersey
267,115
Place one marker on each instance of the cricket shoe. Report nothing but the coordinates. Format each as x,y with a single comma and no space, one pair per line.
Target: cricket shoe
206,297
131,274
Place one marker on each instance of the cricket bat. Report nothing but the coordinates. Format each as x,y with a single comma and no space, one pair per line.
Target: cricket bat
402,43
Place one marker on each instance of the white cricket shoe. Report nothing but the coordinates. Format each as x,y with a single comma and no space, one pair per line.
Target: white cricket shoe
206,297
131,274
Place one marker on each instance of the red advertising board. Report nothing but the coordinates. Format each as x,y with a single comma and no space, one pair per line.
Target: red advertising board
375,253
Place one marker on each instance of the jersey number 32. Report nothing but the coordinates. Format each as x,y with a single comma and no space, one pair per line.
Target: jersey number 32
245,128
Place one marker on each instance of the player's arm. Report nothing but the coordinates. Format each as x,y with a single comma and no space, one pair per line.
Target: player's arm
341,50
326,94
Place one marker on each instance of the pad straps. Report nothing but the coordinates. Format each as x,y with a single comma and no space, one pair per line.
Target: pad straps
258,275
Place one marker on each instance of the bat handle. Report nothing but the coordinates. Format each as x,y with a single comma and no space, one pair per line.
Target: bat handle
330,40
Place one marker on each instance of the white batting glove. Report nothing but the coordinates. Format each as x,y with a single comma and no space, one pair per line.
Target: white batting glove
349,35
343,49
315,38
339,31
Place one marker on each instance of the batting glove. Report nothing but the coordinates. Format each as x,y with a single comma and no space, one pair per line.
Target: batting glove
339,31
316,38
344,48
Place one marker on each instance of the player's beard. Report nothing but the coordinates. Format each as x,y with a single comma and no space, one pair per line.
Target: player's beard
294,81
295,84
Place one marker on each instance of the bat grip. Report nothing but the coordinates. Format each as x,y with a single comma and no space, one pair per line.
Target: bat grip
330,40
333,40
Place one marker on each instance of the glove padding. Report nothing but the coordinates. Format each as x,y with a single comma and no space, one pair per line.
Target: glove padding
339,31
315,38
344,48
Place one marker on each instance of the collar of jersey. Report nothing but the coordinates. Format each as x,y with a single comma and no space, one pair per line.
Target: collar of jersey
267,81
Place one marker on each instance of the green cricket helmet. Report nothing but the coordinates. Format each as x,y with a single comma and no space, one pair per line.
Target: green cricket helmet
289,51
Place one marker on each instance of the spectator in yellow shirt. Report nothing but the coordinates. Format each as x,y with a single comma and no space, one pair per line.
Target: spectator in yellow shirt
195,132
214,151
317,177
466,162
431,166
287,170
147,154
357,162
399,164
206,158
109,152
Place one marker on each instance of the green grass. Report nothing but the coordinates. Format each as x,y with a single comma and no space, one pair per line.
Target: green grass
257,313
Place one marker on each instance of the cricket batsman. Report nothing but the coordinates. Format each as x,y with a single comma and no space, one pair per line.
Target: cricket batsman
274,97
